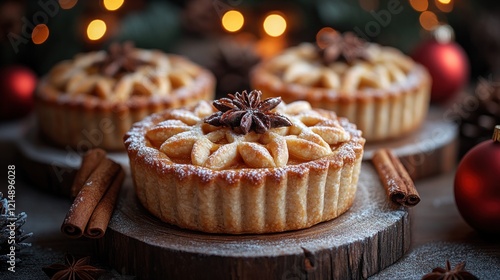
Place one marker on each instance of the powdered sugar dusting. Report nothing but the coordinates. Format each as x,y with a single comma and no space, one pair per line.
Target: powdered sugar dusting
314,134
480,259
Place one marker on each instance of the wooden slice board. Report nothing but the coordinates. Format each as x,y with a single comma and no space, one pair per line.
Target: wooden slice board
429,151
372,235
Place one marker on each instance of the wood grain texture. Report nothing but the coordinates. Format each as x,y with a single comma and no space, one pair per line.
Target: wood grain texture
482,259
372,235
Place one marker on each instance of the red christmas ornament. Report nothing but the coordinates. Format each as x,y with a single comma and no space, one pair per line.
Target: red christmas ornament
477,186
447,64
17,84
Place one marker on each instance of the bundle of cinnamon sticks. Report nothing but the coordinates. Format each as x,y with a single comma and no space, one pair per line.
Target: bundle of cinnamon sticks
95,188
395,179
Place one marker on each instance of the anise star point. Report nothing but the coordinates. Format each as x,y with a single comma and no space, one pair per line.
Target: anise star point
447,273
341,47
73,270
245,112
119,59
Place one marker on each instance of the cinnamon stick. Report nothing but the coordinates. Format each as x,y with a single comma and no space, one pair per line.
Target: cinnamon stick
102,213
89,196
412,197
90,160
395,179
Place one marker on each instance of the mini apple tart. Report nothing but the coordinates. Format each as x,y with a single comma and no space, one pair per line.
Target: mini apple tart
384,92
93,99
245,165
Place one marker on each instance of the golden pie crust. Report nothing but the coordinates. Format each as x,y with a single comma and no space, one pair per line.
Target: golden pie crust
186,172
79,107
386,97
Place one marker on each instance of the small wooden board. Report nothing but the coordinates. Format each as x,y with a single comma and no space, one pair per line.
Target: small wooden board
372,235
429,151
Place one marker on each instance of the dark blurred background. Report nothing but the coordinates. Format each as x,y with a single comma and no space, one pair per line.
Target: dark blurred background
36,34
167,25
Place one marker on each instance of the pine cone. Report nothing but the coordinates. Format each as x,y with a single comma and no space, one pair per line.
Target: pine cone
479,114
7,219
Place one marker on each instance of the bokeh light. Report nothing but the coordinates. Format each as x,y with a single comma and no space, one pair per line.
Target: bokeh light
321,34
112,5
40,34
419,5
232,21
275,25
96,29
428,20
67,4
444,6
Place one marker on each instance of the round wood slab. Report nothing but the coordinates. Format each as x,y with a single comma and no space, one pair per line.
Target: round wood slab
372,235
429,151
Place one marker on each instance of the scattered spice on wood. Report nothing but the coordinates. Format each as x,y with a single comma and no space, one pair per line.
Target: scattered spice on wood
448,273
395,179
73,269
94,204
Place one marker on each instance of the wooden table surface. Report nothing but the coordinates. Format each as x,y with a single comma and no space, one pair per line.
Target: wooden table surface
437,227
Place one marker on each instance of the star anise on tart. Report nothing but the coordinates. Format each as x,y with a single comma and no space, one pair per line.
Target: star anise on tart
119,59
73,270
244,112
457,273
337,47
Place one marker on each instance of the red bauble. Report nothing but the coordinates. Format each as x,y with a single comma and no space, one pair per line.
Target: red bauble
477,186
17,84
447,64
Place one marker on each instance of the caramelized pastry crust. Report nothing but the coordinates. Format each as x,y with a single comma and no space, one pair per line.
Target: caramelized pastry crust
214,179
386,94
93,99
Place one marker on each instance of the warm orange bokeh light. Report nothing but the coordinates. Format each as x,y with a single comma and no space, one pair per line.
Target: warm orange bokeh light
232,21
274,25
428,20
40,34
321,33
270,46
67,4
444,6
96,29
112,5
419,5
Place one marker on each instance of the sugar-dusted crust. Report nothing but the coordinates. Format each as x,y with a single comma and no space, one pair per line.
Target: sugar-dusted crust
381,112
85,121
244,200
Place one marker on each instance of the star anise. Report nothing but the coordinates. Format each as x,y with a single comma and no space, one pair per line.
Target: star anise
119,59
348,47
457,273
245,111
73,270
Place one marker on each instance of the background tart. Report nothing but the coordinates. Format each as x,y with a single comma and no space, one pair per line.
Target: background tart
93,99
384,92
214,179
